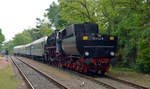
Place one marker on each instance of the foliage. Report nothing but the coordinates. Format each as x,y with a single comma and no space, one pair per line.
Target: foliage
54,17
78,11
35,34
2,38
22,38
8,45
143,61
45,30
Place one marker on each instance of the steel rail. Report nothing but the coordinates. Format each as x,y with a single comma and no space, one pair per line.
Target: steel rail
30,86
128,83
94,80
85,76
112,78
109,77
44,74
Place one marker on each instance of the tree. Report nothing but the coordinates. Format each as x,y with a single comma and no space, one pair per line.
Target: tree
22,38
54,17
2,38
45,30
78,11
8,45
35,33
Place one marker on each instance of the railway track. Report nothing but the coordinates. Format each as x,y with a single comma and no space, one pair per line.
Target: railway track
127,83
110,82
35,78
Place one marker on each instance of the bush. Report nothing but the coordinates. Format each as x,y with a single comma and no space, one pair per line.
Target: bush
143,60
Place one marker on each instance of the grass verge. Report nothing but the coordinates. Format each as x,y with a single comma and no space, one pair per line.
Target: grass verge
7,79
120,70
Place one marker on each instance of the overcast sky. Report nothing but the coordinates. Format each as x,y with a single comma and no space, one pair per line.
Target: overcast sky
17,15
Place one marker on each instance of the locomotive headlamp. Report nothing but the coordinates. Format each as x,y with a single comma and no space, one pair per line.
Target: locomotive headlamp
111,38
112,53
85,38
87,53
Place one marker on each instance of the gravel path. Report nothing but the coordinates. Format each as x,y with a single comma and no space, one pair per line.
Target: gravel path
36,79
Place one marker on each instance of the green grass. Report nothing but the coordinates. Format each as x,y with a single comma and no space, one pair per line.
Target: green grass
7,79
122,69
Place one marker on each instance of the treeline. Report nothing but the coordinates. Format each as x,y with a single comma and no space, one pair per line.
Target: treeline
127,19
29,35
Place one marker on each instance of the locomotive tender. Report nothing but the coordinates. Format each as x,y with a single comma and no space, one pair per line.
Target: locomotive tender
78,47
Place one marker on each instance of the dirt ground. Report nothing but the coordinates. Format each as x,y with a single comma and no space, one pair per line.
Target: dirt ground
7,75
4,62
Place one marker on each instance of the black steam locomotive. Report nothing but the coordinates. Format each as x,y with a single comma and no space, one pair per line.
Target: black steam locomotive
78,47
